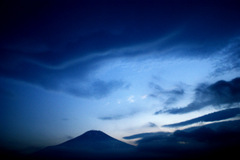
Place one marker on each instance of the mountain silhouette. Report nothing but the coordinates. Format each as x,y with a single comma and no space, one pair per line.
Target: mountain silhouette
90,145
219,139
96,141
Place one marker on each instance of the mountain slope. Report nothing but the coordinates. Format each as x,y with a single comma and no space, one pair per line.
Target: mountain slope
96,141
90,145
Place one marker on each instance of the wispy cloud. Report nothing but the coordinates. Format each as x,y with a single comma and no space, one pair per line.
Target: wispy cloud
229,59
96,89
172,96
131,99
116,117
144,96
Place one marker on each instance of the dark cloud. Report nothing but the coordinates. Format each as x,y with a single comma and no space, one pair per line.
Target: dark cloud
79,28
159,112
220,94
215,116
172,95
151,124
146,135
116,117
195,143
157,90
85,27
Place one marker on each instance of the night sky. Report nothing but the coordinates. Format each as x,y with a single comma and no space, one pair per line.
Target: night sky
122,67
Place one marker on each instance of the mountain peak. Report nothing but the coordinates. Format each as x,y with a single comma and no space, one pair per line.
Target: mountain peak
95,135
95,139
94,132
90,145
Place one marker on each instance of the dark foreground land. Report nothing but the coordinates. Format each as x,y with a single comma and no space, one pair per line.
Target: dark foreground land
210,141
230,153
227,152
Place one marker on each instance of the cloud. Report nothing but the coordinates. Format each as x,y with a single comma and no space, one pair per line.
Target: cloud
220,94
197,142
116,117
215,116
172,96
73,79
146,135
230,58
39,48
144,96
151,125
131,99
97,89
45,38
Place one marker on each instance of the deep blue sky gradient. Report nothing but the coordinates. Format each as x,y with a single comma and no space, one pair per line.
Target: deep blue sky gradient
124,67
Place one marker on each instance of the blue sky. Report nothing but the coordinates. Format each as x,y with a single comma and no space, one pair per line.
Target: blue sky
123,67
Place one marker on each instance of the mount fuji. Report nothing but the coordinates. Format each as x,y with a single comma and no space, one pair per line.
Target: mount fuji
90,145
